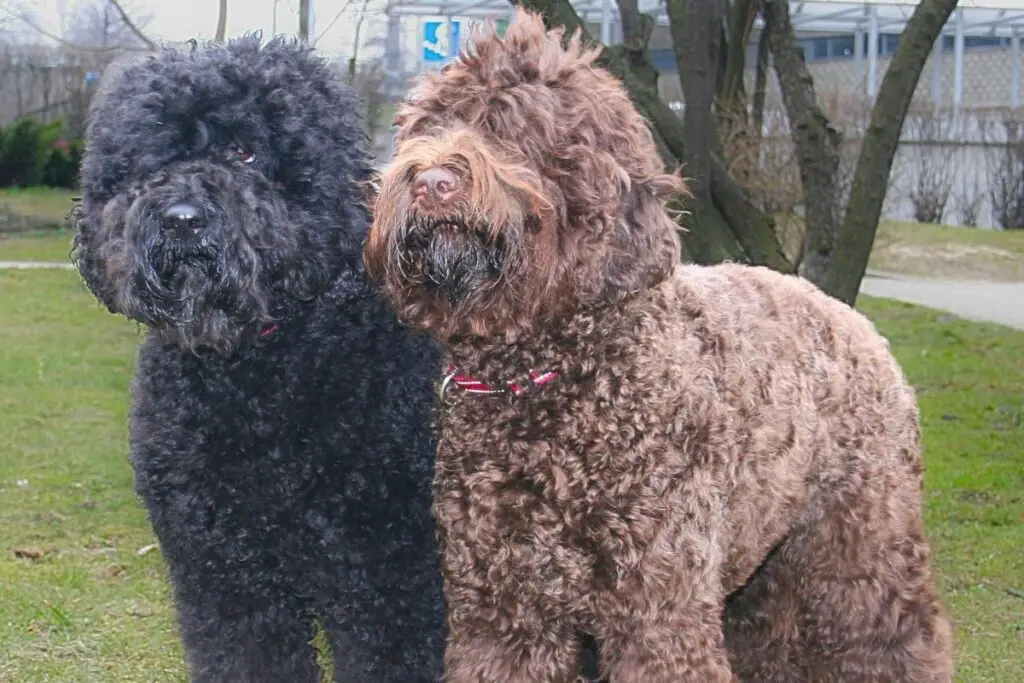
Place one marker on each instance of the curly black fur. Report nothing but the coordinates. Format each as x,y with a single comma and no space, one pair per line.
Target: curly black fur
264,140
280,428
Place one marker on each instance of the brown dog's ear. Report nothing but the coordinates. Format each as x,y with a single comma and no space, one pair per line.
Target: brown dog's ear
594,183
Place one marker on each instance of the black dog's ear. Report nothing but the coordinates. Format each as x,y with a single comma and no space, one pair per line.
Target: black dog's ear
86,257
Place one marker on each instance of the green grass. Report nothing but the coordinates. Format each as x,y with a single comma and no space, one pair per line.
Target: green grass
50,245
929,250
970,383
48,205
84,607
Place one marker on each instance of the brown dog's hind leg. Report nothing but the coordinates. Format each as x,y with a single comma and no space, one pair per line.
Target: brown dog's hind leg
848,598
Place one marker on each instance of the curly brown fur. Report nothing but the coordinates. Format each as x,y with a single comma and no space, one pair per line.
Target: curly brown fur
555,166
722,483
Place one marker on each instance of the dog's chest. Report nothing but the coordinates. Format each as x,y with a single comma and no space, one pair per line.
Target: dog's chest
544,492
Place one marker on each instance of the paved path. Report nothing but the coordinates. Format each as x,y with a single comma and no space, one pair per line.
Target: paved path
32,265
997,302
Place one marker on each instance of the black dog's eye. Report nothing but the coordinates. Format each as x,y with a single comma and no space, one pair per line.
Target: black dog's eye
245,155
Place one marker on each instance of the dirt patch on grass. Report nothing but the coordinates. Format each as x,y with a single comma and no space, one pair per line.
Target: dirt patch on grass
956,260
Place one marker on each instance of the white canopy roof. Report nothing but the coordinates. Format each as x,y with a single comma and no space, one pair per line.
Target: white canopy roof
1002,18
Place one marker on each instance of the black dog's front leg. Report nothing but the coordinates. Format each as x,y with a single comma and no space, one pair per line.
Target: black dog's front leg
388,627
244,636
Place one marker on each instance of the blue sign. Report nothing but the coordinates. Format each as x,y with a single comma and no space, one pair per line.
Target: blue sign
440,40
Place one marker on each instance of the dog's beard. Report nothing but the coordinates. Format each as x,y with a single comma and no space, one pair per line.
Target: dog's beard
451,258
218,288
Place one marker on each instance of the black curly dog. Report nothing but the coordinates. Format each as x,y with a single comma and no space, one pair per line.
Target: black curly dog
280,427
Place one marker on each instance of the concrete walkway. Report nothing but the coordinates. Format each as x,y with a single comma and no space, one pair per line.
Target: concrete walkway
34,265
978,300
996,302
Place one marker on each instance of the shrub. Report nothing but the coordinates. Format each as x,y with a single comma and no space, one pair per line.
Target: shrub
25,149
1007,185
33,153
62,164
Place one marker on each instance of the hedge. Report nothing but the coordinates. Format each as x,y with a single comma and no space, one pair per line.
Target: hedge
33,153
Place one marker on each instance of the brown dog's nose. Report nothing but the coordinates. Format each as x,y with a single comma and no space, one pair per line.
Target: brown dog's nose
435,185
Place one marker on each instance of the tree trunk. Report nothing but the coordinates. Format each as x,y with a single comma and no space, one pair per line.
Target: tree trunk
637,29
222,22
760,84
741,23
695,59
871,178
747,235
817,143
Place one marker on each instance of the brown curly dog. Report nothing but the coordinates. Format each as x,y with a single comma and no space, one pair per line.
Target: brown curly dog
714,471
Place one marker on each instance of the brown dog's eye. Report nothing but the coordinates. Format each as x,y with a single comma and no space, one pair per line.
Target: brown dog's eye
245,155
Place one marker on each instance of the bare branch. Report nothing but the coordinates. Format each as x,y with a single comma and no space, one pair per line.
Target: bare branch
27,20
131,25
332,22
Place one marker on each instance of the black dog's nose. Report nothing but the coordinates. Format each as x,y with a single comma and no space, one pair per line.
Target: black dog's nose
185,218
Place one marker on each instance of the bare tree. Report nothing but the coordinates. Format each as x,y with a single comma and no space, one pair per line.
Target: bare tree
870,180
97,26
106,24
57,76
816,141
727,224
1006,171
929,159
366,76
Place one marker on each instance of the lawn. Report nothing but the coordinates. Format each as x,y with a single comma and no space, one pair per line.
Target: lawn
45,207
930,250
906,248
43,245
84,601
947,251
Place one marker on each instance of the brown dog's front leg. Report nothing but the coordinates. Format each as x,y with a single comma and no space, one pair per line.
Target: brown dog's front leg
479,653
663,621
687,647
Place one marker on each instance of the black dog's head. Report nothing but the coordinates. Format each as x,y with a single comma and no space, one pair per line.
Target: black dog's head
221,187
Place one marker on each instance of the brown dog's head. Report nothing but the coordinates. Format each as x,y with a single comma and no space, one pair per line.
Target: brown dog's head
525,186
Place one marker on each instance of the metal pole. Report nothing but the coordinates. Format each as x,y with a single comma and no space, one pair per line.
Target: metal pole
937,73
858,55
273,21
419,44
1015,69
872,51
393,46
958,60
606,22
453,49
312,22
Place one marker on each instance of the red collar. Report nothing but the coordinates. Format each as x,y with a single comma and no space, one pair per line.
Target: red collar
268,330
475,386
